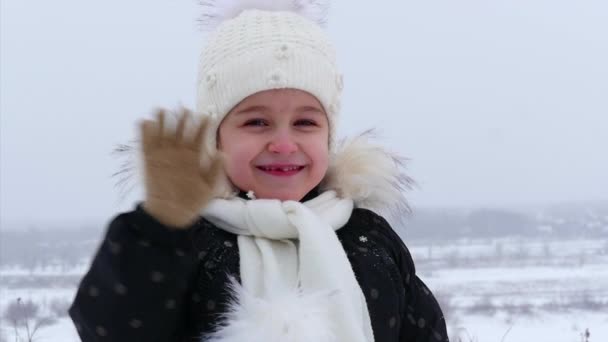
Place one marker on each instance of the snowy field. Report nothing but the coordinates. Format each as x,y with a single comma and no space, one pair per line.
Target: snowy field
516,290
491,291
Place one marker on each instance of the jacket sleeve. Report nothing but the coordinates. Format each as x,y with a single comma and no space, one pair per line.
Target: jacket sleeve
136,286
422,319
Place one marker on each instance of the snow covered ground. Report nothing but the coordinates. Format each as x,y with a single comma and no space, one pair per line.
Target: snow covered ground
515,290
491,290
544,326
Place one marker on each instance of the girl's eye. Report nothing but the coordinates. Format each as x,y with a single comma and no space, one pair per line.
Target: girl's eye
256,122
306,122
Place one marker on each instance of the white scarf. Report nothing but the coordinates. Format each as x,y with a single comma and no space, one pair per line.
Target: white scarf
297,284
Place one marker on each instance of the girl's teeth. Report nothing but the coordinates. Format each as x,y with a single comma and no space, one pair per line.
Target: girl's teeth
285,169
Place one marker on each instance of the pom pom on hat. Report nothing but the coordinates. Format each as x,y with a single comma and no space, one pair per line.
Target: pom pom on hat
217,11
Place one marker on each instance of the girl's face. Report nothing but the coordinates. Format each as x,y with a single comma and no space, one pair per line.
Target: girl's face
275,143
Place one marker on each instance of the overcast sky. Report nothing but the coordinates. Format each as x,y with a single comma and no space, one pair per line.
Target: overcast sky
495,102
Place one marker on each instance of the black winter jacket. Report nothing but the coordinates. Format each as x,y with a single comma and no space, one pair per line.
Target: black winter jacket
151,283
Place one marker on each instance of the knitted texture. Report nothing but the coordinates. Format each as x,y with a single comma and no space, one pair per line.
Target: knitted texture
263,50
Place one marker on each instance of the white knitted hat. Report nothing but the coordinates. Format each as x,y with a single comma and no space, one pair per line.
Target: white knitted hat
261,45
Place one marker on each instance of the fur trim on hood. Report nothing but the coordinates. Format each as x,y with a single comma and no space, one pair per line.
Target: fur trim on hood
371,175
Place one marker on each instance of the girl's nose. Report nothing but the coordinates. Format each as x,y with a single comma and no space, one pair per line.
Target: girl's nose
282,143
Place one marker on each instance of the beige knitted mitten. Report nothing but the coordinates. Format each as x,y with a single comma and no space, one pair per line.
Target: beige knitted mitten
177,186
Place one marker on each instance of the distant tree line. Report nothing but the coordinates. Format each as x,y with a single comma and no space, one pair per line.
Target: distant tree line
36,247
492,223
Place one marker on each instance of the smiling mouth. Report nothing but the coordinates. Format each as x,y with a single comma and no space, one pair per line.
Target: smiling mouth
281,170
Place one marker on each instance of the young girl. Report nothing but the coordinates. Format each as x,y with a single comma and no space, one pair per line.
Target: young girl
257,225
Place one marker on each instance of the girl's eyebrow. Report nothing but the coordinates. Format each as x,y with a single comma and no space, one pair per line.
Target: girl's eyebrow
259,108
309,109
252,109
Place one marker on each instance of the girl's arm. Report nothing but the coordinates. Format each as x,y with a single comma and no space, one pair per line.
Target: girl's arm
421,317
136,287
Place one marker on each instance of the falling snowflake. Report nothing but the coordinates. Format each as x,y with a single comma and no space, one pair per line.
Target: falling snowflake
250,194
363,238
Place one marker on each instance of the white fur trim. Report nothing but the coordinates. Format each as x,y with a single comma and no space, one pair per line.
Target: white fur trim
294,316
217,11
371,175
